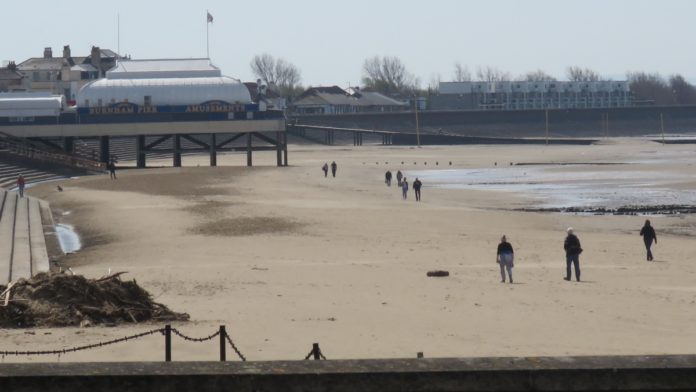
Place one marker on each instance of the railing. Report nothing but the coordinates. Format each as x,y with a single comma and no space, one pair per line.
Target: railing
26,148
222,335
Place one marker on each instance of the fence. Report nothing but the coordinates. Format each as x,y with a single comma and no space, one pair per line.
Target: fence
167,331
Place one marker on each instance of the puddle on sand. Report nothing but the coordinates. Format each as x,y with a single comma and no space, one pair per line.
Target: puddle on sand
68,238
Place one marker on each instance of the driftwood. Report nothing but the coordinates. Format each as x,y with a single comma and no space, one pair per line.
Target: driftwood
438,273
61,299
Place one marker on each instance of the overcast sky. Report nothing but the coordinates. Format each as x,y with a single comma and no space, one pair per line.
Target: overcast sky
329,40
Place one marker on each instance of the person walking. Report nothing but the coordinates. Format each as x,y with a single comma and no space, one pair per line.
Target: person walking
573,249
417,187
20,185
506,258
333,168
399,176
112,169
325,168
404,188
387,178
649,235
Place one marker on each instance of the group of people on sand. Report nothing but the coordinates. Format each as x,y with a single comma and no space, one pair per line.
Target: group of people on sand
402,183
505,255
325,169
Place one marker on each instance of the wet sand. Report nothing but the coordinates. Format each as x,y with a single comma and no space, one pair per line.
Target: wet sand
285,257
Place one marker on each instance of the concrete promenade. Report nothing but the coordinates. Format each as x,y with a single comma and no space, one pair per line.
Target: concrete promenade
604,373
22,242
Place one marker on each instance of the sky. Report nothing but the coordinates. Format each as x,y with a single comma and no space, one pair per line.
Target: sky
329,40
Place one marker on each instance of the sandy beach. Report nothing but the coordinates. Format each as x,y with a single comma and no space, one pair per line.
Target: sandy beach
285,257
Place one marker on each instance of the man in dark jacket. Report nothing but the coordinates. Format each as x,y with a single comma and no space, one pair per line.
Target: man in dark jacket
649,235
573,250
334,166
416,188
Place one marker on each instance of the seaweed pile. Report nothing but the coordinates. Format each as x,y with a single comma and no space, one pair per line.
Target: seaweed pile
62,299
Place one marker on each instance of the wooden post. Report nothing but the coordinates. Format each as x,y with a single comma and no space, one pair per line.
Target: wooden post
315,351
249,149
168,343
662,128
285,148
140,151
177,150
213,150
223,344
279,149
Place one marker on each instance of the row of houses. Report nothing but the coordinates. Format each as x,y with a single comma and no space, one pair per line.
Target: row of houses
66,74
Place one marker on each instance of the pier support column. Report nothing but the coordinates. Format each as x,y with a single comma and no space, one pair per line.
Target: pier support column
279,149
104,151
360,137
69,144
213,150
248,149
285,148
140,151
177,150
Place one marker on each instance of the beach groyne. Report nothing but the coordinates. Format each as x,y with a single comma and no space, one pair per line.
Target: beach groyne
599,373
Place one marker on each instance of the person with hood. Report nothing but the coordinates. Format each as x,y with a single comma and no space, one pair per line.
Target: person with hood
325,168
399,176
334,166
388,177
573,249
506,258
649,235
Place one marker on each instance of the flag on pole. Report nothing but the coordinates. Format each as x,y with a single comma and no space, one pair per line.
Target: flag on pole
210,18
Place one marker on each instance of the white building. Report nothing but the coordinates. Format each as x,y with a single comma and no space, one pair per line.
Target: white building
508,95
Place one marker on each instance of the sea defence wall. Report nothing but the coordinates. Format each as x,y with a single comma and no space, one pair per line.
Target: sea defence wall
631,121
622,373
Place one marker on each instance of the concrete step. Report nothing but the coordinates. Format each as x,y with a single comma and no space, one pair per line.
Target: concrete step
7,235
21,257
39,254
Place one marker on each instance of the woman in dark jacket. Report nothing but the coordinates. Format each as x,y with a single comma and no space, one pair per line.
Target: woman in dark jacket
506,258
648,234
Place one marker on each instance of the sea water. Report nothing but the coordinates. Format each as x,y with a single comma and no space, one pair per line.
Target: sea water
555,186
67,237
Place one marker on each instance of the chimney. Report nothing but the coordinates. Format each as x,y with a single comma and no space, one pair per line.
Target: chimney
66,52
48,53
12,66
96,58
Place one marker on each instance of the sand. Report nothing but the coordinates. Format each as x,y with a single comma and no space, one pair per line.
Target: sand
285,257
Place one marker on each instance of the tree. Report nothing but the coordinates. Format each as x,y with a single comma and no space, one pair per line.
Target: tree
650,88
461,73
388,75
491,74
579,74
684,93
537,76
278,74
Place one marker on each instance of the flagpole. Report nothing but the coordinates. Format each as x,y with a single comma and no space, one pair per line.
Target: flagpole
207,42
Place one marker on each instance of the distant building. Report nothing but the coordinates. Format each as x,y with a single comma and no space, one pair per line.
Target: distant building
531,95
335,100
266,96
10,78
67,74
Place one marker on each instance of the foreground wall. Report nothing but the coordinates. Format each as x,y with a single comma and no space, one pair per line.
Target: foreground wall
633,121
635,373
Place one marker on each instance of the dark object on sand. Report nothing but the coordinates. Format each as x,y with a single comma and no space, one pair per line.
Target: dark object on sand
61,300
438,273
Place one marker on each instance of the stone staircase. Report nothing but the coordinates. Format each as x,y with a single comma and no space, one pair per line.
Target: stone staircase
22,243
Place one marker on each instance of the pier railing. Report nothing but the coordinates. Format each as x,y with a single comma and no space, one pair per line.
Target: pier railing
28,149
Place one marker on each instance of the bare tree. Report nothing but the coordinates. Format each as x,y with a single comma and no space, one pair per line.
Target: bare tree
388,75
278,74
650,88
491,74
579,74
684,93
461,73
537,76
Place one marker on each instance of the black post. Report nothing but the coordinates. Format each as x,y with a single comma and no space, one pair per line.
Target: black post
285,148
168,343
140,151
279,149
249,149
213,150
223,345
315,351
177,150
